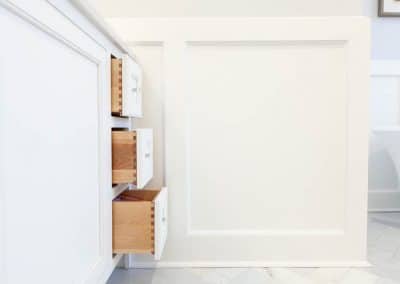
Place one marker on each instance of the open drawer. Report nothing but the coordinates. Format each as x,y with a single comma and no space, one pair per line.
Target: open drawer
132,157
140,222
126,87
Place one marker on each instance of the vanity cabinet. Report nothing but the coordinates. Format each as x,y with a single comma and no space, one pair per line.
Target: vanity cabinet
69,55
132,157
140,222
126,87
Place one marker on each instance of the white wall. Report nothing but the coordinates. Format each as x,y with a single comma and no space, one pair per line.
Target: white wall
153,103
384,193
384,31
385,45
384,111
227,8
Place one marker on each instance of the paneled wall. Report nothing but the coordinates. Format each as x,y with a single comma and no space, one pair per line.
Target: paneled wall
384,104
265,137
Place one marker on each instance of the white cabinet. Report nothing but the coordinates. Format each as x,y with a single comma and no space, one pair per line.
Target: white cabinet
56,91
54,117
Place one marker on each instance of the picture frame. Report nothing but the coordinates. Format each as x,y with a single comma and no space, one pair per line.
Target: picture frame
389,8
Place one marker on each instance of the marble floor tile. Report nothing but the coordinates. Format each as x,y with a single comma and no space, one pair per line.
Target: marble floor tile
305,271
325,274
286,275
354,276
254,276
386,281
155,276
217,275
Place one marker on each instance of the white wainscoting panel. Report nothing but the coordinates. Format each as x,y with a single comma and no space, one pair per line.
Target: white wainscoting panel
266,134
253,115
384,192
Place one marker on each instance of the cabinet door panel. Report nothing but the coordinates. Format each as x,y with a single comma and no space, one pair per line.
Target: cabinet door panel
50,152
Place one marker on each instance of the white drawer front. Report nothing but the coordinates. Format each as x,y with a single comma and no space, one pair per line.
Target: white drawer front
131,88
144,144
160,223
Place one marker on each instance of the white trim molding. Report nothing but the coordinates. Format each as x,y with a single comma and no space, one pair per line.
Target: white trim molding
384,200
178,264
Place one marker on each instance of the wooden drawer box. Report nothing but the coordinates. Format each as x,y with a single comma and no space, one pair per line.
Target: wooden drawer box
132,157
140,222
116,86
126,89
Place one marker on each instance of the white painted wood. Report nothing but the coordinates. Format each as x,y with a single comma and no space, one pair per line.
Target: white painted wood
266,138
144,156
136,262
120,122
98,25
46,80
160,223
385,114
55,114
131,88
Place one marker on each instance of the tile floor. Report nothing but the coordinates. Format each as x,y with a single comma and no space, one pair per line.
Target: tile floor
383,253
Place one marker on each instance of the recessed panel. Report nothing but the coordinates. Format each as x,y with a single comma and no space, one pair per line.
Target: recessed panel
266,136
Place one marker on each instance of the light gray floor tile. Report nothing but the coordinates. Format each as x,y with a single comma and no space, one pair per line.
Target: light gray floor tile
217,275
288,276
155,276
253,276
354,276
325,274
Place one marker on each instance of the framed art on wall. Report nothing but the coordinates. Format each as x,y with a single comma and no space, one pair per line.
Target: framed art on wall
389,8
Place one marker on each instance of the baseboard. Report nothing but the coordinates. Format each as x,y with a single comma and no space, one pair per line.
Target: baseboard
385,200
215,264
